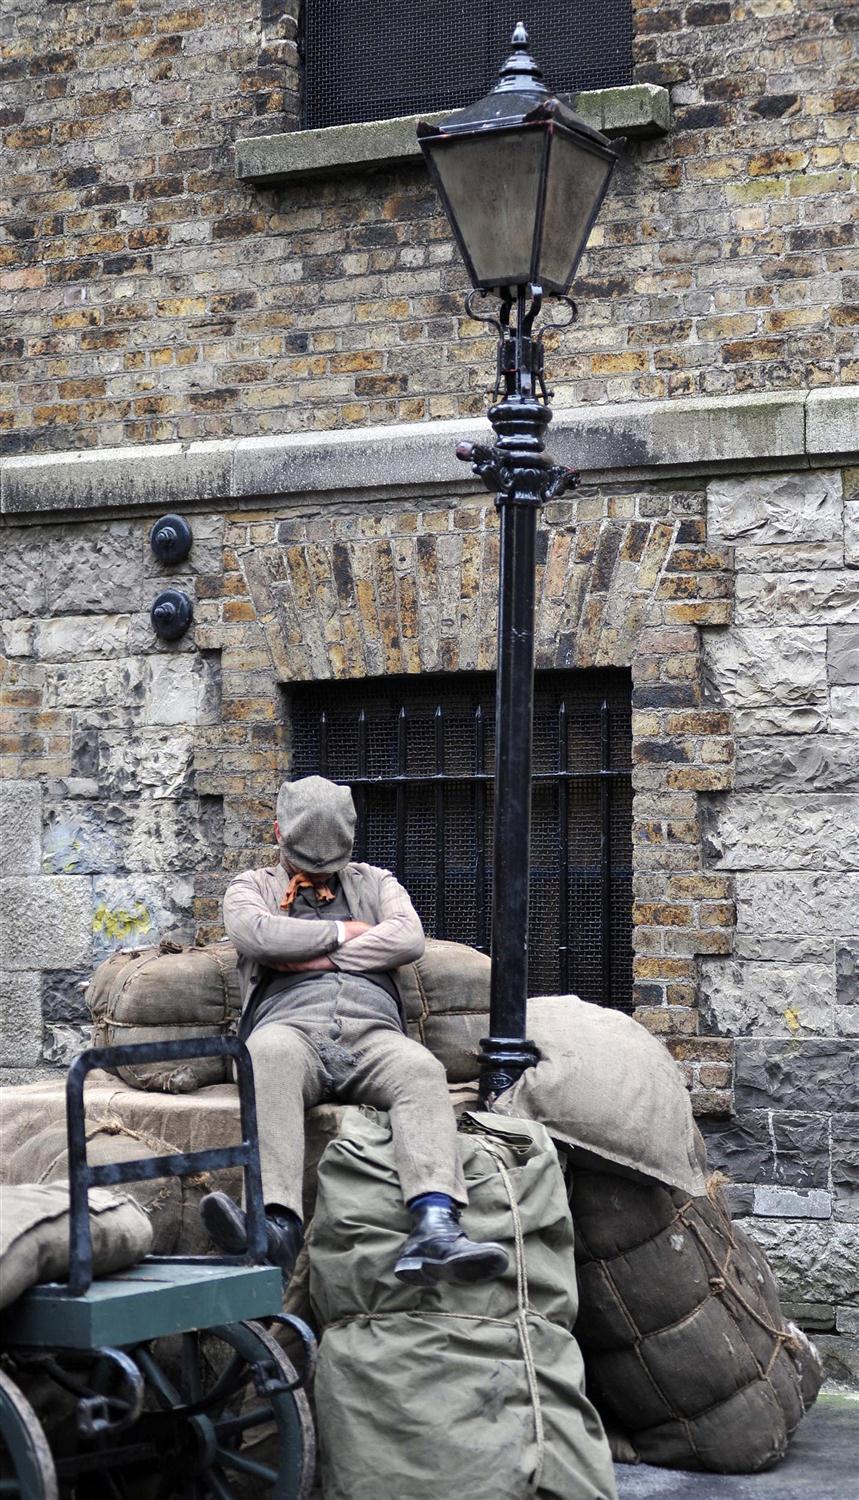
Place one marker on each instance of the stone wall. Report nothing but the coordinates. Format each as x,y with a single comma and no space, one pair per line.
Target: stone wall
786,836
156,297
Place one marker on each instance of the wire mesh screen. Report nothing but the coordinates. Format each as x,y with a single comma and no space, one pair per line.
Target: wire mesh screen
419,755
375,59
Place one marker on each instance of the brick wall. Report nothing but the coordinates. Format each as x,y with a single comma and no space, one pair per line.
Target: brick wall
155,297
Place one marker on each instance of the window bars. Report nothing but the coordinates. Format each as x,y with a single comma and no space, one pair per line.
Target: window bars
419,755
377,59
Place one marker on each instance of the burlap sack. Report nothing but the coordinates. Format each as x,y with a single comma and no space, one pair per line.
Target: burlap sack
166,994
34,1235
171,1204
679,1322
608,1091
445,996
444,1391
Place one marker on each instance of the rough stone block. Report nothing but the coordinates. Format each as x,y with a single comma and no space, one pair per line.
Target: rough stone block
845,1165
46,922
775,508
840,1355
94,569
847,1320
792,1203
138,910
812,1261
64,996
793,831
847,971
16,637
87,684
182,690
788,557
799,901
76,637
82,838
821,762
802,1075
851,533
20,828
22,574
766,668
783,948
751,722
844,710
62,1044
154,758
813,1316
846,1020
826,597
780,1147
186,834
842,655
20,1019
767,999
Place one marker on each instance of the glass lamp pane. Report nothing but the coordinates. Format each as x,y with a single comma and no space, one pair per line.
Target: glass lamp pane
491,183
576,182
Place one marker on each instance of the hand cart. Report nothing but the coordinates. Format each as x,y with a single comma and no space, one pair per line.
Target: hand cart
171,1387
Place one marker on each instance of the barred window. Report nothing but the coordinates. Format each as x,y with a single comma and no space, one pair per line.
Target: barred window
376,59
419,756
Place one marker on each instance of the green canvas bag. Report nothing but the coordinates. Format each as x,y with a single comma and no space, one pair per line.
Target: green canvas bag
467,1391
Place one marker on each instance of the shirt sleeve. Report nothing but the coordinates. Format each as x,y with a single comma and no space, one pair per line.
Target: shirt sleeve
272,937
398,937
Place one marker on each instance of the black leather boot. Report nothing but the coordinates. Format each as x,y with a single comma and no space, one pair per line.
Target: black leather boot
438,1250
226,1224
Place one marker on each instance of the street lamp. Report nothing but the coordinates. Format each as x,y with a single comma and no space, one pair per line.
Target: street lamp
521,178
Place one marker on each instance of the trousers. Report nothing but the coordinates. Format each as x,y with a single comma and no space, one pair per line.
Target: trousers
339,1037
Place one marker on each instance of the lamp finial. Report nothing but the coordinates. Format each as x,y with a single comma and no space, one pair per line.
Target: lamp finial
520,74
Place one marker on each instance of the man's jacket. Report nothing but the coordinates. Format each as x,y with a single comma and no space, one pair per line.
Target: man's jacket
266,936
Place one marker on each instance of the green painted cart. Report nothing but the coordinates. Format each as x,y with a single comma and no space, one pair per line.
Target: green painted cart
166,1381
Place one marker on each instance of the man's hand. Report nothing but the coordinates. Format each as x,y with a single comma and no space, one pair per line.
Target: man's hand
355,929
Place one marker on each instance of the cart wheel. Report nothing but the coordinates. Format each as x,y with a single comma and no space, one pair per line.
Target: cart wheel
252,1436
26,1467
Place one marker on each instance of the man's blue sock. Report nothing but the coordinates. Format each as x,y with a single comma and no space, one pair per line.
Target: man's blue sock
431,1200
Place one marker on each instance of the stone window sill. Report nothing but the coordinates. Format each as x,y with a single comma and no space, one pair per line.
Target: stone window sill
641,109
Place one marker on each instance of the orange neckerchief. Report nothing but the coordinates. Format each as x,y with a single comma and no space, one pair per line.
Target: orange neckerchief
300,882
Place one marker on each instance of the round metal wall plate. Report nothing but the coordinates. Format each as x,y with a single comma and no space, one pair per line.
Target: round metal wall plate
170,539
171,614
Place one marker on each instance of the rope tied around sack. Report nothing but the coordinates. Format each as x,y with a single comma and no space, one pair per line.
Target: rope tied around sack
522,1310
520,1321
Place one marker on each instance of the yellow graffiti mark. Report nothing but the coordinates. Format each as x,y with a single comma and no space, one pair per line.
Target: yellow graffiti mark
792,1021
121,924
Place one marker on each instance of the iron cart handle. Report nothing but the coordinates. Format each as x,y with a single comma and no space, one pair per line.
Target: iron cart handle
82,1176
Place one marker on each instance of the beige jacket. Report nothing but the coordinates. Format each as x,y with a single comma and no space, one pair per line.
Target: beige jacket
263,934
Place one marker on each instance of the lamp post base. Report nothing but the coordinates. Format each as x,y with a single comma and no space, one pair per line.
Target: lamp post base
502,1061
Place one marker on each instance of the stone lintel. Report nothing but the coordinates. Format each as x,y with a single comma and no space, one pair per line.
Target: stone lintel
642,439
639,109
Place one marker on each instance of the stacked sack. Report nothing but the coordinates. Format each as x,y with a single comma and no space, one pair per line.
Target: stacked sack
685,1346
166,994
436,1391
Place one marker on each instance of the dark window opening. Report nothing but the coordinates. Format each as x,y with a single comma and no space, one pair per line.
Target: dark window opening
419,756
376,59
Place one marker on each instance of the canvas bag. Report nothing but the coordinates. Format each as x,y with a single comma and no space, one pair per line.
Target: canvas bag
445,997
162,994
679,1321
34,1235
607,1091
465,1391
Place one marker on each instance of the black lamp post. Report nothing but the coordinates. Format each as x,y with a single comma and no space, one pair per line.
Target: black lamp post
521,178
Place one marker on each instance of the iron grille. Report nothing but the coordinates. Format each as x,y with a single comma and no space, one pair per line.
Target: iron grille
376,59
419,756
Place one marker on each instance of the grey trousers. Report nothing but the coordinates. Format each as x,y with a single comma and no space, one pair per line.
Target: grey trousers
339,1037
